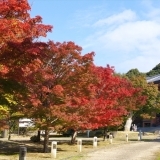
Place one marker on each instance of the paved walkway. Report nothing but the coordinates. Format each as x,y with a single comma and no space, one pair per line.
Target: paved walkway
132,151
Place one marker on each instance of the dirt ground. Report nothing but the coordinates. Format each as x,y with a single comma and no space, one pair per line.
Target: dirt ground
9,150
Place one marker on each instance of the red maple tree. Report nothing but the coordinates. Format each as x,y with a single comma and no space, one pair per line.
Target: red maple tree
18,29
57,76
104,102
17,33
16,23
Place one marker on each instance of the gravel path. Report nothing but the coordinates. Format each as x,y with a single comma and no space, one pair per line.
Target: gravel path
131,151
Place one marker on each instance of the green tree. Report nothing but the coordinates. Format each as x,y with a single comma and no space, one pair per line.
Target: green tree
134,72
10,93
150,91
154,71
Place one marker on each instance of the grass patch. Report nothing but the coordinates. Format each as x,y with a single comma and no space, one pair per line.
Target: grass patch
157,156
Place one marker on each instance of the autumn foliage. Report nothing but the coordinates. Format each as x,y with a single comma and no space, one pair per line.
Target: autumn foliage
60,87
16,23
17,31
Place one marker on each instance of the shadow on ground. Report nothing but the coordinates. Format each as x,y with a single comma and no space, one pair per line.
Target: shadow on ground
12,147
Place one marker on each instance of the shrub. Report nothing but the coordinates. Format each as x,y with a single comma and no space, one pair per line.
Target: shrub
34,138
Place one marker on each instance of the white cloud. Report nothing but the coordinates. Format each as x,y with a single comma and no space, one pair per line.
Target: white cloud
131,36
132,43
153,12
144,64
84,18
126,15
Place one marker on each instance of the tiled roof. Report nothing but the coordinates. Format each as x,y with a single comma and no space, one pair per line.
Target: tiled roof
153,79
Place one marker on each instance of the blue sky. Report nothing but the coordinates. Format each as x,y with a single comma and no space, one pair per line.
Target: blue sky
122,33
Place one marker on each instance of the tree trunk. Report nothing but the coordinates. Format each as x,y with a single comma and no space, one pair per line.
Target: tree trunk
38,136
73,138
104,133
46,140
9,134
5,133
88,133
128,124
